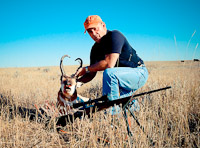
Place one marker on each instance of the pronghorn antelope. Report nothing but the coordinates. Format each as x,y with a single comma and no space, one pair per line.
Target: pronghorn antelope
67,94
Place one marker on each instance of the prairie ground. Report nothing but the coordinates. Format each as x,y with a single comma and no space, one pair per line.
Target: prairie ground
170,118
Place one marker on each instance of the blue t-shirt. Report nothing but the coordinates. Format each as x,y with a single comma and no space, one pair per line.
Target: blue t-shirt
115,42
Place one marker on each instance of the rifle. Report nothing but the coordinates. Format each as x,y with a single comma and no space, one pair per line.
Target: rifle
92,106
102,103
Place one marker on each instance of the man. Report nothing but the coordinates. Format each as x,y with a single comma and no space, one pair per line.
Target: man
124,71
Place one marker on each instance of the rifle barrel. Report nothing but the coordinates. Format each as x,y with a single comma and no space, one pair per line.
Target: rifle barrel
152,91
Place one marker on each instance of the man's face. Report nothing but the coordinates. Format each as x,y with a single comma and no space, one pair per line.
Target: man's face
96,33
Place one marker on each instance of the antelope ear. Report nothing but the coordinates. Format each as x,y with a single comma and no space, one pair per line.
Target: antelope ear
63,77
79,84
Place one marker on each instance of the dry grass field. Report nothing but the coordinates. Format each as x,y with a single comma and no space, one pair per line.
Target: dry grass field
170,118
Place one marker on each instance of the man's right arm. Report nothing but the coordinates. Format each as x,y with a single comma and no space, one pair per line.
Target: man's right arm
87,77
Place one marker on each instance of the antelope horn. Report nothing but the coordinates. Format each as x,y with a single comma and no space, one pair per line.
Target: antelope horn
61,64
81,63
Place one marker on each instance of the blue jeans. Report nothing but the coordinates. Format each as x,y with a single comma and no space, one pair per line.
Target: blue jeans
122,82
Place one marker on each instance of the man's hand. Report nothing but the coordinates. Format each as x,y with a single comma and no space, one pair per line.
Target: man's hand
84,77
80,72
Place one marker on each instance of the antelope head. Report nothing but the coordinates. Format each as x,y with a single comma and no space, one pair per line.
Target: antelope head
68,83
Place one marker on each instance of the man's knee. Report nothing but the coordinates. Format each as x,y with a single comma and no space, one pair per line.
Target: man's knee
107,73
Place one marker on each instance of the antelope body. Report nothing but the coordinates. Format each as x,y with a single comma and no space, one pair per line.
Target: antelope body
67,94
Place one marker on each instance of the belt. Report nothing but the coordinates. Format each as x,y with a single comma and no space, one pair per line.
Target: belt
141,65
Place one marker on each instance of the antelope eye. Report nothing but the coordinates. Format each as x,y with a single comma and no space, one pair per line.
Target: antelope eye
65,83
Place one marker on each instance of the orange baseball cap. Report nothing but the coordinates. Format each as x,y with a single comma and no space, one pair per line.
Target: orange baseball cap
92,21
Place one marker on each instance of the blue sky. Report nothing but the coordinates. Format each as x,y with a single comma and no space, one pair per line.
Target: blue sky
38,32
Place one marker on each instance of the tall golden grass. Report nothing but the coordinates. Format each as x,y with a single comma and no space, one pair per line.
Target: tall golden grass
170,118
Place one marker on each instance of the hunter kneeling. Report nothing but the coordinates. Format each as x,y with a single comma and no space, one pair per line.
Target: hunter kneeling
124,71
